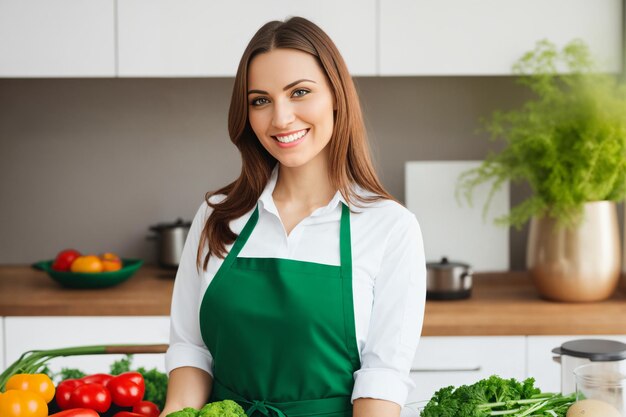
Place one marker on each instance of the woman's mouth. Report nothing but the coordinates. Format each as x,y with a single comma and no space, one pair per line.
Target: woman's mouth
287,141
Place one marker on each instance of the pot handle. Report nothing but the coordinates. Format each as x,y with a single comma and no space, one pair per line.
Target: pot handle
556,359
152,237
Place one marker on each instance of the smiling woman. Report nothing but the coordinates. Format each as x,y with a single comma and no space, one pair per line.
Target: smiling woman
301,286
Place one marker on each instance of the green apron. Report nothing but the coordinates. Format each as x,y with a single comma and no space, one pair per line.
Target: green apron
281,332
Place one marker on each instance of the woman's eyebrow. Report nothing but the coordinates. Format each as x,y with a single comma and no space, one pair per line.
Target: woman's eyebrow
287,87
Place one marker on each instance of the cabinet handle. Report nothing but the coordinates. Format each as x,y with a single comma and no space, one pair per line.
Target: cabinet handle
458,369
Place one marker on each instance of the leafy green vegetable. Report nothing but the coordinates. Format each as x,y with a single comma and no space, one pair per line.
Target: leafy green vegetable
122,365
224,408
185,412
568,143
495,396
63,374
155,380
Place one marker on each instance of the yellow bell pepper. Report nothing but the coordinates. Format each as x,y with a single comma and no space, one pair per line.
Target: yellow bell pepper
40,384
18,403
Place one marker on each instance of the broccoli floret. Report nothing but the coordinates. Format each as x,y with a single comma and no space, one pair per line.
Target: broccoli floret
225,408
185,412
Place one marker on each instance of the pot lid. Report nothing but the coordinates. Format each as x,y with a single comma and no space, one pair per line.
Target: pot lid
593,349
178,223
445,264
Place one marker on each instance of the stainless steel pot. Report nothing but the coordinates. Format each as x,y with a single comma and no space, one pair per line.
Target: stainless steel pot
170,239
575,353
448,280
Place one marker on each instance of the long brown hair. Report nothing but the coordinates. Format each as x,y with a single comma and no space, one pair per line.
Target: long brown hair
349,162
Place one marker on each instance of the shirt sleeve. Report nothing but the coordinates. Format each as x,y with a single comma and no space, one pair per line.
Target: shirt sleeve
397,317
186,345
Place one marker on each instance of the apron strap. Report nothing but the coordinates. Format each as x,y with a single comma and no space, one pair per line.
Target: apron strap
345,248
273,409
241,240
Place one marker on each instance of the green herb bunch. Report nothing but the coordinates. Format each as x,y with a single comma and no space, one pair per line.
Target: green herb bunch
495,396
568,143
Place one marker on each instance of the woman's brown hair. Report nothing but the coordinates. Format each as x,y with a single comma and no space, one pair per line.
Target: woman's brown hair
349,163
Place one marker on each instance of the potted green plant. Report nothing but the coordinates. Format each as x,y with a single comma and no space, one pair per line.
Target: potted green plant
568,144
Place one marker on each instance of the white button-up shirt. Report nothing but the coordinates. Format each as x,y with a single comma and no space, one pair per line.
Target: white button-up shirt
388,284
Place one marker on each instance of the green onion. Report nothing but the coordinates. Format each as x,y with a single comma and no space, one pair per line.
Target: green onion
33,361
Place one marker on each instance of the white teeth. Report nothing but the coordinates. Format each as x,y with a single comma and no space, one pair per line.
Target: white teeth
291,138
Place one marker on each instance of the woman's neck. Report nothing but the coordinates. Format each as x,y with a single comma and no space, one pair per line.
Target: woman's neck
307,186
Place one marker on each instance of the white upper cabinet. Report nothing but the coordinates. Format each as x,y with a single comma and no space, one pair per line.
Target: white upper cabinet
197,38
485,37
60,38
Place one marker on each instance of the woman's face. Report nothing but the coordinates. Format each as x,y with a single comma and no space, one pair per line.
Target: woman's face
290,106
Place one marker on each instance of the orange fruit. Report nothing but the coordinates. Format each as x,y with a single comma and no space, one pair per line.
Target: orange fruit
110,262
87,263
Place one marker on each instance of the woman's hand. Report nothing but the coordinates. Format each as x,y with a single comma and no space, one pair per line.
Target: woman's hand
187,387
370,407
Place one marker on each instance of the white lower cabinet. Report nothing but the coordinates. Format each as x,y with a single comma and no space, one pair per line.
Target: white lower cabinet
28,333
460,360
542,366
2,360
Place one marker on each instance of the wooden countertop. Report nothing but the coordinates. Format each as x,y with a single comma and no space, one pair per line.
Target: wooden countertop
501,304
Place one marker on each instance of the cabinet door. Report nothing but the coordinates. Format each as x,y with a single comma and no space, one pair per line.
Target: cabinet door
61,38
451,360
543,368
27,333
204,38
2,344
485,37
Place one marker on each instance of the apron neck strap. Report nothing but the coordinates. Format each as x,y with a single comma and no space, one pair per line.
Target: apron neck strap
345,245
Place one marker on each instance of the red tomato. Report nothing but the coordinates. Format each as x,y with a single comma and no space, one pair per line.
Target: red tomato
127,414
102,379
93,396
127,389
64,390
146,409
76,412
64,259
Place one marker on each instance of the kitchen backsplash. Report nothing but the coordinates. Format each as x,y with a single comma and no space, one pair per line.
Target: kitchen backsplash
92,163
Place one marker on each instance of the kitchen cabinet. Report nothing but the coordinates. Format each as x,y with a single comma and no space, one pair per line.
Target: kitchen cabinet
62,38
167,38
457,360
27,333
543,368
485,37
2,344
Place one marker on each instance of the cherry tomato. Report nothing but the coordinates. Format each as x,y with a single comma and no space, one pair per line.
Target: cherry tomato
64,390
38,383
76,412
127,389
93,396
146,409
19,403
102,379
64,259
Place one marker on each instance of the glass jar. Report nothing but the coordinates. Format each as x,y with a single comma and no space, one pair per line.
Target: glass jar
604,381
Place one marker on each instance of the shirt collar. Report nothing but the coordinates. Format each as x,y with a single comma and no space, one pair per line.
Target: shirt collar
267,201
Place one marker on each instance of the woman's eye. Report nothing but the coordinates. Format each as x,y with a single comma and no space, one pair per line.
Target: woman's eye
258,101
300,92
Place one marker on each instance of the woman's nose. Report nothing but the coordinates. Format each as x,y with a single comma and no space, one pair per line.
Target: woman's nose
283,115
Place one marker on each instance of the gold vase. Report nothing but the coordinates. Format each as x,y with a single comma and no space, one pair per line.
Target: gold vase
576,264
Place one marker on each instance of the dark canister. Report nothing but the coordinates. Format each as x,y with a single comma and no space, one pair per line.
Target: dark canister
448,280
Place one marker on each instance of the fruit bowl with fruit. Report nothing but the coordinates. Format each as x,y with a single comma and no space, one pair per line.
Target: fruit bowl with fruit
72,269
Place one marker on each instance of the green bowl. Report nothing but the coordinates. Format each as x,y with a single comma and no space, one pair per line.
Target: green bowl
91,279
